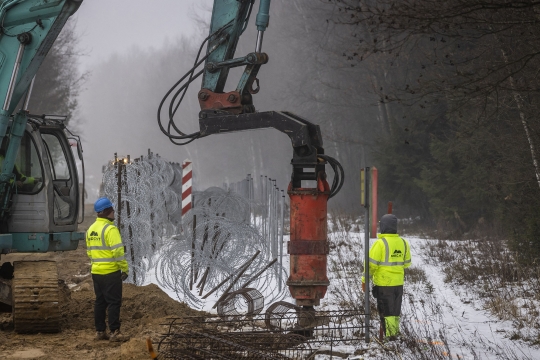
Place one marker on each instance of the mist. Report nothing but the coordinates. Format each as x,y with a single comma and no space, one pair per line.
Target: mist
119,107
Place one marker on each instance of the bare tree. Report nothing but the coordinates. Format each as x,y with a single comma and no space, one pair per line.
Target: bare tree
58,81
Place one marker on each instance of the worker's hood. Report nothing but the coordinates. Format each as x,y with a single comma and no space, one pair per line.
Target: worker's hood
388,224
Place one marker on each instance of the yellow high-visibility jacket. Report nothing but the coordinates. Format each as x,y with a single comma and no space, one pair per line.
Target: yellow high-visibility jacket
105,248
388,257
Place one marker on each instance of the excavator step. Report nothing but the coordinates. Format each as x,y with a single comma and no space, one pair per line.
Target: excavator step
35,297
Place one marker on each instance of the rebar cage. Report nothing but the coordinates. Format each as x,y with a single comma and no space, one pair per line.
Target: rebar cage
284,331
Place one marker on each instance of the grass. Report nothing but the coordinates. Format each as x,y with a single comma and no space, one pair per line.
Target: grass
508,290
486,268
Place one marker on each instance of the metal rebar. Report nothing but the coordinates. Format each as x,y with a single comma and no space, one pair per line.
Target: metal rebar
254,277
236,279
245,265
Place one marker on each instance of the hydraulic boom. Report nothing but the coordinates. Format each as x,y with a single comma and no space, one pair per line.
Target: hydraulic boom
231,111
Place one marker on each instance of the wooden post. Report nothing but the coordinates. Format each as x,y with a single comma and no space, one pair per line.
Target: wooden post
130,229
118,192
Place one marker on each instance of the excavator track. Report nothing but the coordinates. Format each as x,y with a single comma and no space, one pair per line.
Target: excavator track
35,297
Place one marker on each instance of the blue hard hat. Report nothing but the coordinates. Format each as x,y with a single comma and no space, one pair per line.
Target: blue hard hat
102,204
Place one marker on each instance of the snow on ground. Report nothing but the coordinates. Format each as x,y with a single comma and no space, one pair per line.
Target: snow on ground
436,313
457,315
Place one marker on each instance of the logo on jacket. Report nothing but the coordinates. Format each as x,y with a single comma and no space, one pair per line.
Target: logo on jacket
94,233
397,253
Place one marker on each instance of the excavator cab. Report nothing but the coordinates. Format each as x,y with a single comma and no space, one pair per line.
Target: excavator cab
48,198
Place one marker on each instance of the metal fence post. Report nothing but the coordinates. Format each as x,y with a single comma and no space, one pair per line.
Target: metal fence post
366,248
281,239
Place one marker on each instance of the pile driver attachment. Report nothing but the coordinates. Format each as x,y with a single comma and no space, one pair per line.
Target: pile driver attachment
223,112
40,192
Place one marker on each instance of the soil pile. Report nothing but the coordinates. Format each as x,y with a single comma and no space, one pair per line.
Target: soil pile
144,311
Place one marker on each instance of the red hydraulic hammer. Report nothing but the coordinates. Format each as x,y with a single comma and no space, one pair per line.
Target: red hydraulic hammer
308,246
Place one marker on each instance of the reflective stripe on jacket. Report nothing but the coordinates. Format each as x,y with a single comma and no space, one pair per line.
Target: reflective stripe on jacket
105,248
388,257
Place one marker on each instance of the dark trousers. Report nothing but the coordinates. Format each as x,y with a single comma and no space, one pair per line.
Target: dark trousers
108,289
389,307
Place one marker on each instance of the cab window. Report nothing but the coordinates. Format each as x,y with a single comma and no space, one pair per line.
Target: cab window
28,173
64,185
29,166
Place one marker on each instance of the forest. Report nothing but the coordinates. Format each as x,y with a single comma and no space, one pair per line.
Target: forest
455,88
441,97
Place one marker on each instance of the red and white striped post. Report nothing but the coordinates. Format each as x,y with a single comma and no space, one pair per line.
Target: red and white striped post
187,176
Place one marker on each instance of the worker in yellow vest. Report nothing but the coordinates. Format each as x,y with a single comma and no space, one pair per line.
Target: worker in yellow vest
22,181
389,256
109,268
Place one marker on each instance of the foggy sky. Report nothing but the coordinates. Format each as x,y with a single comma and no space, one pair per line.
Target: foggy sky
106,27
119,104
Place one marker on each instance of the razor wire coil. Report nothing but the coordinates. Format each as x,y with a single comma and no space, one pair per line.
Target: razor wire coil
194,255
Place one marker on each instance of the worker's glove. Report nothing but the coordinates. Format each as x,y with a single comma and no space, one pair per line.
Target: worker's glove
124,276
364,287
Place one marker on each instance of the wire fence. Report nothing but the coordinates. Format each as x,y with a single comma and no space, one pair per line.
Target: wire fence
232,238
146,196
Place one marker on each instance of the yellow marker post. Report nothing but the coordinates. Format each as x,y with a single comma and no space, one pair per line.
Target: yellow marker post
362,187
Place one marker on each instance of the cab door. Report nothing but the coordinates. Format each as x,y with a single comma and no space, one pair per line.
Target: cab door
29,212
63,178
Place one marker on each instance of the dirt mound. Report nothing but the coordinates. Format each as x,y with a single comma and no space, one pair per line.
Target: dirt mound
141,306
144,310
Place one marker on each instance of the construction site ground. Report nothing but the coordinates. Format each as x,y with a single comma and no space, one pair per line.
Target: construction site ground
144,310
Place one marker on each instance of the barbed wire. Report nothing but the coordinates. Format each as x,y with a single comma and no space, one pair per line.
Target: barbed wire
221,246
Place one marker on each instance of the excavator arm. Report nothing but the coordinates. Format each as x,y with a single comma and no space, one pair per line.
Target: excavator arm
234,110
28,29
229,21
223,112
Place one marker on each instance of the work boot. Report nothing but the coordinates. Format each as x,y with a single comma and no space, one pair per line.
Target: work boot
101,335
117,336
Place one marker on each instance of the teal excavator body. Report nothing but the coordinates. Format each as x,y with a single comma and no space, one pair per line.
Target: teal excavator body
40,191
27,208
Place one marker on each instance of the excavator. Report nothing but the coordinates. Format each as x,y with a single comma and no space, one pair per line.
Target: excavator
40,195
230,111
40,192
